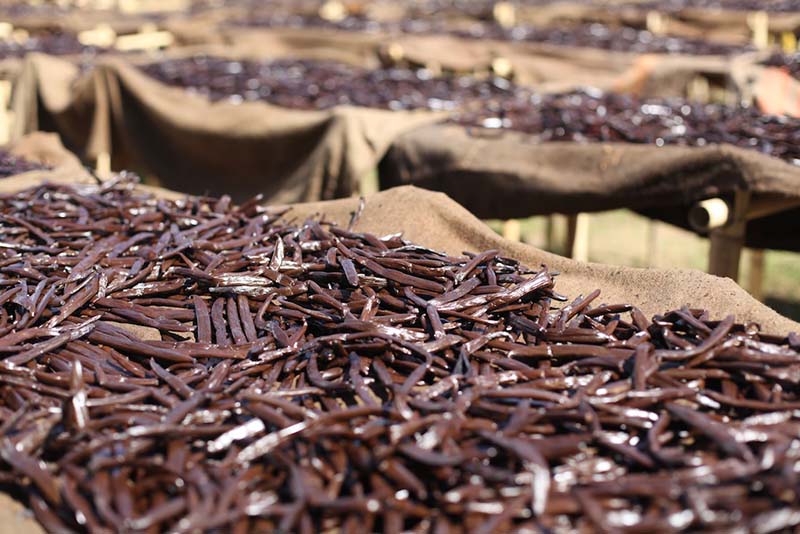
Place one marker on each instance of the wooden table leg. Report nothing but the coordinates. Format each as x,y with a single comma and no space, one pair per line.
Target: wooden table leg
651,246
727,241
512,230
103,165
5,112
755,282
577,244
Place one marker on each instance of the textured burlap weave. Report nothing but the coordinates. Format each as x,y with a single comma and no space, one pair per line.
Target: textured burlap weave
504,175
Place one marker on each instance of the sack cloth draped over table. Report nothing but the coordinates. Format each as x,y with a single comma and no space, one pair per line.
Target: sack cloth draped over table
46,149
448,227
73,20
723,25
773,89
504,175
547,67
197,146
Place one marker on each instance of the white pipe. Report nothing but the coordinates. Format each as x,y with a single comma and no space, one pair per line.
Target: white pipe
709,214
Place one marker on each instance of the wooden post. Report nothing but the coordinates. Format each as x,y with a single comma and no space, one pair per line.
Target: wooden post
727,241
142,6
699,89
551,234
755,282
5,112
502,67
505,14
655,23
651,246
789,42
102,36
150,40
759,25
512,230
577,244
103,165
396,53
369,184
333,11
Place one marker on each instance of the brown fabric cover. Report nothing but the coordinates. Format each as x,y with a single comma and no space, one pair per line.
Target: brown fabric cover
505,175
435,221
357,48
726,26
193,145
548,68
78,20
773,89
46,148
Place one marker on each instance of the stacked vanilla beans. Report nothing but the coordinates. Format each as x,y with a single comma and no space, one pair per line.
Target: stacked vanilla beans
588,35
53,43
194,365
11,164
494,103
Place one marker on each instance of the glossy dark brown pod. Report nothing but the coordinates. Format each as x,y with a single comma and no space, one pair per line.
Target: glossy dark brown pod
11,165
334,380
487,104
592,35
52,43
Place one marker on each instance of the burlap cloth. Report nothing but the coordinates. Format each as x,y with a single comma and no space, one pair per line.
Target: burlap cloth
191,144
727,26
773,89
435,221
77,20
505,175
547,67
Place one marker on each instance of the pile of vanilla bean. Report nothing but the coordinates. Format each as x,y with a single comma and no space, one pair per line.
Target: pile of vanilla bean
319,84
53,43
590,35
11,164
494,102
195,365
771,6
